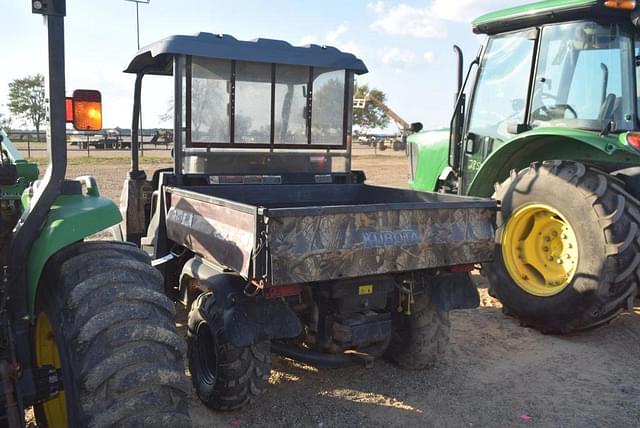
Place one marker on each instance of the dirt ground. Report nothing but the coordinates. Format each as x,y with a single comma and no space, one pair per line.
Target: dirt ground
496,374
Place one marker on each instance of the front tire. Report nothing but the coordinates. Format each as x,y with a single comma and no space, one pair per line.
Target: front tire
103,320
587,226
226,377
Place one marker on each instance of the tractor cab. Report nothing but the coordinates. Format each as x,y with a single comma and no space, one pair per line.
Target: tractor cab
247,111
574,70
584,79
545,68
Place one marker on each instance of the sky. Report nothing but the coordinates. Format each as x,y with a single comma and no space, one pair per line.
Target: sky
406,45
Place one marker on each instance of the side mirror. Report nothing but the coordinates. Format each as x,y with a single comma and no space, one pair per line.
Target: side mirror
416,127
84,110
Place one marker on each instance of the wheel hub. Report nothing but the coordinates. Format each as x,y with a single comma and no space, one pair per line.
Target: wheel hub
540,250
47,354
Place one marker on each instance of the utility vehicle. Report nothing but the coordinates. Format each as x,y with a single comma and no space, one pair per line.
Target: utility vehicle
263,230
552,122
87,336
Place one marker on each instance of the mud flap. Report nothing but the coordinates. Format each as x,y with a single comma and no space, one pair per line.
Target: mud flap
454,291
256,319
247,320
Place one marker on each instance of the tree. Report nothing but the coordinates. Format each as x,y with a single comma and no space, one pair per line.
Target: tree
371,116
5,122
27,100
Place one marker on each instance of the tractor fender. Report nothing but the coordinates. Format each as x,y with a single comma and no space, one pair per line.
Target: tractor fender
71,219
606,152
247,319
453,291
446,172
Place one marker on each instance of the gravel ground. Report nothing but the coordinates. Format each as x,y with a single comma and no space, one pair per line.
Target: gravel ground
496,374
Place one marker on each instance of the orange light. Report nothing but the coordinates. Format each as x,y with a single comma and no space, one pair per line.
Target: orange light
633,138
87,110
69,109
620,4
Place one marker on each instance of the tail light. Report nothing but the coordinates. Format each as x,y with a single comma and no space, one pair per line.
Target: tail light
633,138
620,4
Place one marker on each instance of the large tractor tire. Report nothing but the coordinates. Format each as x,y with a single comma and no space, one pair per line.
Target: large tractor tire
226,377
102,318
421,339
568,257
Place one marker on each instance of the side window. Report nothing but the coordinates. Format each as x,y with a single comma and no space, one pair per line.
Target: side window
290,104
583,78
327,117
503,81
210,100
597,74
253,103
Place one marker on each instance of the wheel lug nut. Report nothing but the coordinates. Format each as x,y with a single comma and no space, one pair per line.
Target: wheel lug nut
547,239
554,233
545,249
559,261
550,258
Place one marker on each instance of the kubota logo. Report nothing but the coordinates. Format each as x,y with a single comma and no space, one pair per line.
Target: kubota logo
388,238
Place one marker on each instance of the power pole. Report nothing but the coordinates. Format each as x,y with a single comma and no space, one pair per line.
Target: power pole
137,2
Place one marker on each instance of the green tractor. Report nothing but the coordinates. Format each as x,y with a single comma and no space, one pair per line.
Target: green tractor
87,336
551,130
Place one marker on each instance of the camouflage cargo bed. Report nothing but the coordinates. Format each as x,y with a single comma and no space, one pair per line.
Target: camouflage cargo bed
292,234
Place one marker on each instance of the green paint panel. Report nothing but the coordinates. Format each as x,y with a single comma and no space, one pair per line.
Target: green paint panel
533,9
72,218
433,158
536,145
27,170
608,153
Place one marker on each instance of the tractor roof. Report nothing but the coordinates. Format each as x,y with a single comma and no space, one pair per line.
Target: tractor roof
542,12
157,58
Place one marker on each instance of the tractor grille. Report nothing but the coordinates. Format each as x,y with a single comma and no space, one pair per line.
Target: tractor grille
413,160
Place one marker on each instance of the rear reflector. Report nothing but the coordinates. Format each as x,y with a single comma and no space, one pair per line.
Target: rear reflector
462,268
282,291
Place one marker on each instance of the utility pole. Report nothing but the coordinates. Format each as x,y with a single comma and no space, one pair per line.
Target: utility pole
137,2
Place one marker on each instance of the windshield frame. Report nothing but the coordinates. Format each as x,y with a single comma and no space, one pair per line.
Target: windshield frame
193,144
478,74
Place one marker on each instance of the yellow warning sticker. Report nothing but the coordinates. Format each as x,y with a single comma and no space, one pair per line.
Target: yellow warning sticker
365,289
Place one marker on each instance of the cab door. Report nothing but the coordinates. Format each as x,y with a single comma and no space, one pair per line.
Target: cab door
498,105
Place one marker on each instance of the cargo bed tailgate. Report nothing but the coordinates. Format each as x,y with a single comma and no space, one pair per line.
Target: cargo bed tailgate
285,234
325,243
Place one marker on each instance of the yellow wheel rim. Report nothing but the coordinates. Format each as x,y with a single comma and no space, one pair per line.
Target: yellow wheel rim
47,354
540,250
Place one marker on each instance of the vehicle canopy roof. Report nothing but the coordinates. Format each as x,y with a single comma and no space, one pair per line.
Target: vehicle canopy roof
157,58
544,12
